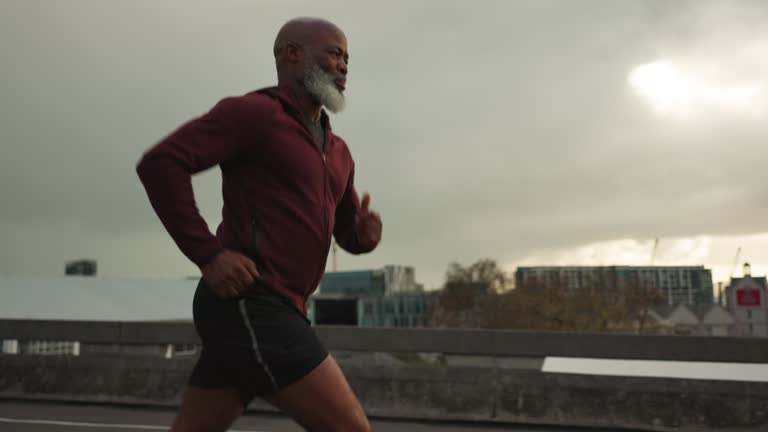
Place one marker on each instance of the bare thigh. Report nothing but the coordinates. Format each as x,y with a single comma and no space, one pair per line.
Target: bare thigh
207,410
323,401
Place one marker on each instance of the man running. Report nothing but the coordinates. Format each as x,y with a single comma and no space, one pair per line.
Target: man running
288,188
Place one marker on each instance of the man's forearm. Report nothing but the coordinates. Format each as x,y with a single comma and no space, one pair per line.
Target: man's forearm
169,189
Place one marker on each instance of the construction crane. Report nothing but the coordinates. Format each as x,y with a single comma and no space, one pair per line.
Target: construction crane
653,253
736,261
334,251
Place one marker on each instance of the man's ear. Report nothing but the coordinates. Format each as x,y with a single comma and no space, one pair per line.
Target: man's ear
293,52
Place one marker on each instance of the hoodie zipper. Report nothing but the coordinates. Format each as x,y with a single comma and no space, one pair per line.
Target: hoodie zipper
255,241
326,241
327,218
298,115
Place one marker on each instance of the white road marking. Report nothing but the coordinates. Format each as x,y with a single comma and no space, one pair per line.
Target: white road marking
756,372
95,425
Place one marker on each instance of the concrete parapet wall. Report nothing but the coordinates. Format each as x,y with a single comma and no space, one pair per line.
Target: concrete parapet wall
486,375
497,343
427,392
653,403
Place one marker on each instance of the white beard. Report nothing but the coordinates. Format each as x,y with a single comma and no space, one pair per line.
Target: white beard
322,87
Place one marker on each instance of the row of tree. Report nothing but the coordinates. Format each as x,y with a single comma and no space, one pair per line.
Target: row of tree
482,295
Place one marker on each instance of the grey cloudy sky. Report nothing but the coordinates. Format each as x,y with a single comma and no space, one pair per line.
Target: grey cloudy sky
514,130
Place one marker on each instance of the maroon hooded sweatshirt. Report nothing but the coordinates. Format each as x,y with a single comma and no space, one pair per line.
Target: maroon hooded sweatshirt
283,197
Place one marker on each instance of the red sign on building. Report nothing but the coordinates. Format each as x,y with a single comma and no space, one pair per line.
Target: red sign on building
748,297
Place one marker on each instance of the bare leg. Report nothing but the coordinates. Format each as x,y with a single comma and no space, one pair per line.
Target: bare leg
323,401
207,410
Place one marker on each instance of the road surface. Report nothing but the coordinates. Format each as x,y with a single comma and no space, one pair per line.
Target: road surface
62,417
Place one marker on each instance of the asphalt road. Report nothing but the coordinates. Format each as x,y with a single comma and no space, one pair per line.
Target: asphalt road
60,417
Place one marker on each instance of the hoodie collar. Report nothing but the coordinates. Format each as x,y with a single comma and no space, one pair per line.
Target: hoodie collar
284,94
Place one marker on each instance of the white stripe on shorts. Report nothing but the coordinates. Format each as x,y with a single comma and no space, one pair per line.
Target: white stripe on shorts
254,343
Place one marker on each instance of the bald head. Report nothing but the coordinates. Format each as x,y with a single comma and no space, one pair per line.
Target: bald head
303,32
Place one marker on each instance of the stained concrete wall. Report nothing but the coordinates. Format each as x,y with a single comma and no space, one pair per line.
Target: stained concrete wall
499,343
515,392
428,392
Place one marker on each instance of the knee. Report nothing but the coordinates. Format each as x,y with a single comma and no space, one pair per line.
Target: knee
201,426
357,423
361,425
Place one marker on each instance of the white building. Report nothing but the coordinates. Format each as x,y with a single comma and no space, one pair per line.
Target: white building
399,279
695,320
746,300
51,348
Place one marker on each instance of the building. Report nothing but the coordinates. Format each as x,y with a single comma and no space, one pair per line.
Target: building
353,283
387,297
89,298
81,267
400,279
399,310
50,348
746,300
696,320
387,281
690,285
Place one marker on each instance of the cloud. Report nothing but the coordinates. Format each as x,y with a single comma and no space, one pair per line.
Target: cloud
498,130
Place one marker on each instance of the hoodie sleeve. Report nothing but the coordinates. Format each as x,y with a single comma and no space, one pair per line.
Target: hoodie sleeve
344,228
166,169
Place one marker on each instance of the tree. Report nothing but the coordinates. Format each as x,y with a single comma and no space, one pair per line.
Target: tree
479,296
464,298
484,270
639,297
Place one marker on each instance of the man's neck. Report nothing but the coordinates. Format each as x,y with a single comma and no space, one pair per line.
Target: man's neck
307,102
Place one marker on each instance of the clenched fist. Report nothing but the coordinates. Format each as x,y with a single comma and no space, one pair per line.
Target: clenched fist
229,274
367,224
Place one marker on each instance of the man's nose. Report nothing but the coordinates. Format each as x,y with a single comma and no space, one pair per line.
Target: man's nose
343,68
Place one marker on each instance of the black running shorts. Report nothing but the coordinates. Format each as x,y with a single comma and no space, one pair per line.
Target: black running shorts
258,344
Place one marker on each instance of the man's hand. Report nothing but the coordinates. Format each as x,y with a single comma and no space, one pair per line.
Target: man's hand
367,224
229,274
